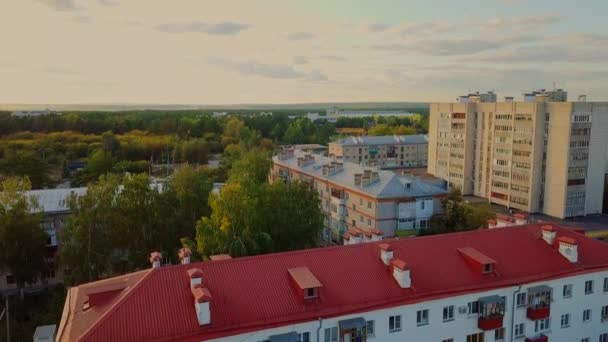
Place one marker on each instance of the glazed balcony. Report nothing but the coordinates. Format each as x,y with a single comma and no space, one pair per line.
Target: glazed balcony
540,338
539,302
491,313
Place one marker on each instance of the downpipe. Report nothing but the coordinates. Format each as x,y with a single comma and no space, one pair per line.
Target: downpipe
513,313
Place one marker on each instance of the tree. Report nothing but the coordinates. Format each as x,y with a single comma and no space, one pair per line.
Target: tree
252,167
459,215
109,142
380,129
22,239
404,130
24,163
99,163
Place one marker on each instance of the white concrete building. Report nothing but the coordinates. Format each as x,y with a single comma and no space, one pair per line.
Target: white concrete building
526,283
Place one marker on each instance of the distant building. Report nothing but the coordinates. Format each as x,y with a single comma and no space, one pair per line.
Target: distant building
54,204
531,283
383,151
23,114
538,155
334,113
354,196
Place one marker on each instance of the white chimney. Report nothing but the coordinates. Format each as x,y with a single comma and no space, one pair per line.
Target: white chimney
196,277
184,255
155,259
376,235
549,234
401,273
202,300
386,253
568,248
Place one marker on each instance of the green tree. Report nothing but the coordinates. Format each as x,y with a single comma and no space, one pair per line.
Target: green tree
25,163
22,240
380,129
459,215
404,130
251,167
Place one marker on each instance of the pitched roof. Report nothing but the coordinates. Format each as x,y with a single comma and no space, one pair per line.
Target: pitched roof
304,278
389,185
253,293
383,140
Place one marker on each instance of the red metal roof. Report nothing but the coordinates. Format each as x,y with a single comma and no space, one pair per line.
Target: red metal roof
304,278
253,293
476,255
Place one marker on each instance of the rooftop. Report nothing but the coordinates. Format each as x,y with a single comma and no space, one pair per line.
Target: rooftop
157,304
389,185
382,140
54,200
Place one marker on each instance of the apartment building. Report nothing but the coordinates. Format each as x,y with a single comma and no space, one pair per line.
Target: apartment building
53,203
536,155
355,196
383,151
476,286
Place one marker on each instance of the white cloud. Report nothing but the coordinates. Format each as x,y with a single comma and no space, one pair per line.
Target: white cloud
60,5
222,28
378,27
300,60
300,36
277,71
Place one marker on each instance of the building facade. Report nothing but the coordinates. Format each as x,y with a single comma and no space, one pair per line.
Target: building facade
383,151
536,156
53,203
477,286
355,196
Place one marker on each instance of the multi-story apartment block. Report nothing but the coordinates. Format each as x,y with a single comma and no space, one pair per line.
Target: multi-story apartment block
53,203
355,196
383,151
477,286
536,156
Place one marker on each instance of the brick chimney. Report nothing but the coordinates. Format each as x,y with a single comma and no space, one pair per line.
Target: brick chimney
155,259
386,253
196,277
548,234
568,248
184,255
401,273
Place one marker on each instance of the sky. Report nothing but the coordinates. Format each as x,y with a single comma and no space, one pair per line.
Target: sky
297,51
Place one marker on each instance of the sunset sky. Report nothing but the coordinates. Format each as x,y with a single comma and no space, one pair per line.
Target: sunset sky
282,51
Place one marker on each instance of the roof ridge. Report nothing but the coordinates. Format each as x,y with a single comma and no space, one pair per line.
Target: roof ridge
119,301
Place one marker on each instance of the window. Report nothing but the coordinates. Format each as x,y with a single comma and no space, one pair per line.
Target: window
303,337
331,334
422,205
499,334
422,317
542,325
604,313
310,293
369,204
586,339
565,320
567,291
587,315
360,201
589,287
605,284
521,299
447,340
475,337
371,328
448,313
369,222
473,307
394,323
519,330
604,337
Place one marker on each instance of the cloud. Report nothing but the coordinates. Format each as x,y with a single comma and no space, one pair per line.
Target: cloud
60,5
548,53
222,28
107,2
378,27
333,58
300,36
426,28
60,71
82,19
525,22
455,47
91,84
300,60
277,71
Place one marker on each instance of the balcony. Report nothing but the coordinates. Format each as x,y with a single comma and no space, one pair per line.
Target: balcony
491,312
540,338
539,302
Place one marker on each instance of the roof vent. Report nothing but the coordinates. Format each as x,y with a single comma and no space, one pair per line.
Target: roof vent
568,248
305,282
386,253
196,277
549,234
155,259
202,300
401,273
184,255
478,261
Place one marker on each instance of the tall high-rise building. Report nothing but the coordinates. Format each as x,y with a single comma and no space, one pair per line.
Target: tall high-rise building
538,155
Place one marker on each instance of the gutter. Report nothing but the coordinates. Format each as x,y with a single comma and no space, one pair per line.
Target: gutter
513,313
319,329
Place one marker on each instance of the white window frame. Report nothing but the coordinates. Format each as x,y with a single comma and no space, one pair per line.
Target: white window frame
422,317
331,334
519,330
542,325
587,312
588,287
521,299
448,313
567,291
396,323
565,321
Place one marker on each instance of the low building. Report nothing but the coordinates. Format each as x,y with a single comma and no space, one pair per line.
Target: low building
384,151
525,283
354,196
54,204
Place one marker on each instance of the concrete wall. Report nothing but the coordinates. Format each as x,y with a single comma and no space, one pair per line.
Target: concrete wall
598,155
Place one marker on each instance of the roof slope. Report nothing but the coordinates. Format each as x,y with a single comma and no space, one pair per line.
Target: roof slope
390,184
252,293
383,140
